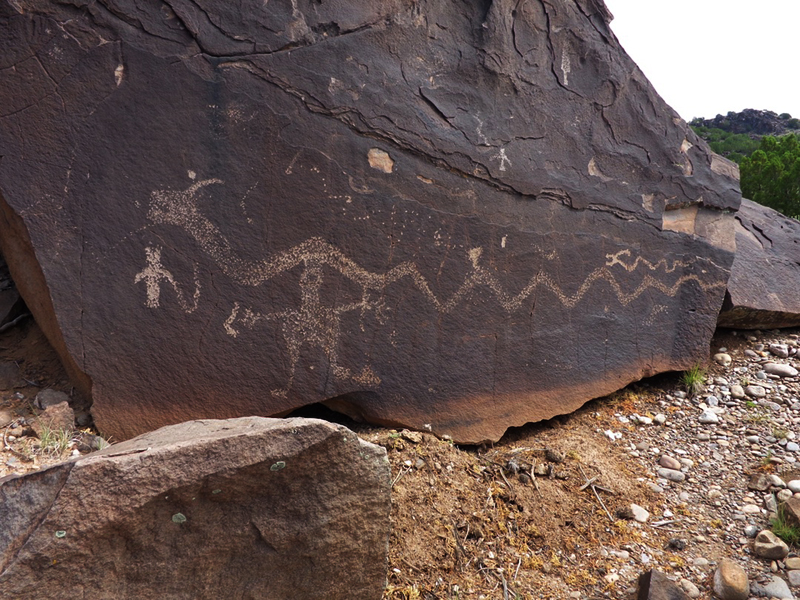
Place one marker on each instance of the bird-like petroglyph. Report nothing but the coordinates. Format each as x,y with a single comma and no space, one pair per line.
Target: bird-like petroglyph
316,325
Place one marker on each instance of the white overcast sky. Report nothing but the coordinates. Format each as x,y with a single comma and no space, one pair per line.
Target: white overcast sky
707,57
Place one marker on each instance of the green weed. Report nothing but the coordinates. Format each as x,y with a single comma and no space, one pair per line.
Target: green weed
693,379
788,532
54,442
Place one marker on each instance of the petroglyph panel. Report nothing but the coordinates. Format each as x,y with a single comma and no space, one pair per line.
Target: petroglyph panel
461,230
312,326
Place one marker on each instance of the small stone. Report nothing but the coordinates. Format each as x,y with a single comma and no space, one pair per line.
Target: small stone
691,589
792,447
755,391
671,475
791,511
654,585
49,397
730,581
669,462
768,545
779,350
708,417
6,416
751,509
700,562
676,544
660,419
58,417
758,482
775,481
794,578
723,359
751,531
776,587
780,370
414,437
794,485
793,563
784,495
639,514
737,391
553,456
771,503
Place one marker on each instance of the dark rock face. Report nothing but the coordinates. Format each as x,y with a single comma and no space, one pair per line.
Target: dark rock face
244,508
458,217
765,277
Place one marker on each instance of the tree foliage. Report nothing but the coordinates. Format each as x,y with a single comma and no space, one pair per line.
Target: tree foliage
771,174
734,146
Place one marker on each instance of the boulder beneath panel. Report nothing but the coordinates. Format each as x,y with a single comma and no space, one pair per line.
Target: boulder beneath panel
458,217
239,508
765,277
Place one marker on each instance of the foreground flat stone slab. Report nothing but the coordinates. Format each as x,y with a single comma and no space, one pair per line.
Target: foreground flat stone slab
241,508
433,214
765,277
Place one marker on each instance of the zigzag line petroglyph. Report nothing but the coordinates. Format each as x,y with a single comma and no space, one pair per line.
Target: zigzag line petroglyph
317,325
614,259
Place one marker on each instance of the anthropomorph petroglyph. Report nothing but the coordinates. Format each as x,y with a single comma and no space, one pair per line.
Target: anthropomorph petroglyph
315,325
154,274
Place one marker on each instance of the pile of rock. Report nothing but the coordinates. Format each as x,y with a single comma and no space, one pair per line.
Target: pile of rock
711,455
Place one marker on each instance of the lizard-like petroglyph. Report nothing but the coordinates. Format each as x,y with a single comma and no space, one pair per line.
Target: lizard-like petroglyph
317,325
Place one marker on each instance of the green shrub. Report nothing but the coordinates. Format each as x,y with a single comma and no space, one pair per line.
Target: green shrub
771,175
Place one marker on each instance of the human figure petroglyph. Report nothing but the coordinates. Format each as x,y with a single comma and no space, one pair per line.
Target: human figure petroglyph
315,325
154,274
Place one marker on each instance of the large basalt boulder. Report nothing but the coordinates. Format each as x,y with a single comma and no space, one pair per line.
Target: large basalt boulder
242,508
765,277
454,216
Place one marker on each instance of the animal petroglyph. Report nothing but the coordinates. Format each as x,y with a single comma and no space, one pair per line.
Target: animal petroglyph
316,325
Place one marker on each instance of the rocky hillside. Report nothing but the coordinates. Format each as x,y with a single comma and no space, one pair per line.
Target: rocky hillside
737,135
752,122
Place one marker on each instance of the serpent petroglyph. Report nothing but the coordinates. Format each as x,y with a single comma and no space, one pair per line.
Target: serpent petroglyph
316,325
